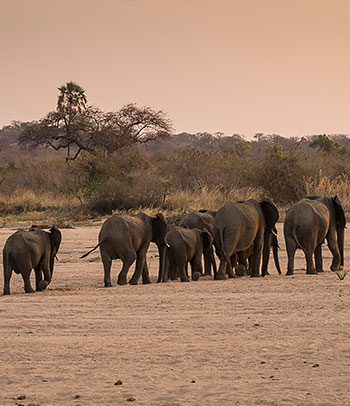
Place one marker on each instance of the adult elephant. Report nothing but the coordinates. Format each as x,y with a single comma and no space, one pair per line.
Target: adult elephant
308,223
241,225
203,220
33,249
243,260
127,238
186,245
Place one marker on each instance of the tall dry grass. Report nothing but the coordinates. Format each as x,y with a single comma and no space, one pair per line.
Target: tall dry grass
324,185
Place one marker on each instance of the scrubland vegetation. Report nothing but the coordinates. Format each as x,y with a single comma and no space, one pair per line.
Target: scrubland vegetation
132,160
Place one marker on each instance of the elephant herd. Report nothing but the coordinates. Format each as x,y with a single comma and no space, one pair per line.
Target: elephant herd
242,234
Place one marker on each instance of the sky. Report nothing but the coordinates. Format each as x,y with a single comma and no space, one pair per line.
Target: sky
234,66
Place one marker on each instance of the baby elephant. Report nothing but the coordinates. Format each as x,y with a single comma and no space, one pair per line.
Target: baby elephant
33,249
187,245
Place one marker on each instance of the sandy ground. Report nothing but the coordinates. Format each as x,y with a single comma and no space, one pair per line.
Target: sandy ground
273,341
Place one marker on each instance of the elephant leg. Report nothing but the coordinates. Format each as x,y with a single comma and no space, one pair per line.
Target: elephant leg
140,263
333,246
310,268
183,272
256,257
107,263
172,271
229,270
127,262
45,266
26,279
318,258
223,268
145,275
7,277
207,263
291,248
38,278
213,262
196,265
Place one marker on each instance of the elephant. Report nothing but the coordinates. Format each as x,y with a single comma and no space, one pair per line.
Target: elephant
127,237
202,219
307,224
33,249
241,225
186,245
243,260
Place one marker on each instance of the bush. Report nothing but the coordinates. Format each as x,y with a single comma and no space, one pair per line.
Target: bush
282,175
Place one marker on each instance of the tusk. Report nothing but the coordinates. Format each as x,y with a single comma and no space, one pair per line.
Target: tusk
167,245
275,234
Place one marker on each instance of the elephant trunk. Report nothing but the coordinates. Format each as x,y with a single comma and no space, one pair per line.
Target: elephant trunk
275,254
266,252
340,237
162,256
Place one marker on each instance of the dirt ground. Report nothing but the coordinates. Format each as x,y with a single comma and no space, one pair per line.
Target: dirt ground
248,341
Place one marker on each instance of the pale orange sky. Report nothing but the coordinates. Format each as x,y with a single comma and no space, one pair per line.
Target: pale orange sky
236,66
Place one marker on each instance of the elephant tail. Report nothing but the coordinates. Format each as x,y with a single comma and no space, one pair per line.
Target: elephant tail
294,234
221,234
89,252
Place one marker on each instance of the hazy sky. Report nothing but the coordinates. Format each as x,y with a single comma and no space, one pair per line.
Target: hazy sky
236,66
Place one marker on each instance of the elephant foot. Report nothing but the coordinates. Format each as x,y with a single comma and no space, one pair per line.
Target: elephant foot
108,285
196,276
42,285
232,275
6,292
254,275
319,270
133,282
122,281
311,272
220,277
184,279
240,270
146,282
336,268
29,290
290,273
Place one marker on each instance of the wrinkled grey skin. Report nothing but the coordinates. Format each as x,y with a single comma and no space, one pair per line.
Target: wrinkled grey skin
27,250
241,225
203,219
127,238
186,245
308,223
244,258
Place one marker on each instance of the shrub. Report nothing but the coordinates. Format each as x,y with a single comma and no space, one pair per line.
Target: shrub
281,174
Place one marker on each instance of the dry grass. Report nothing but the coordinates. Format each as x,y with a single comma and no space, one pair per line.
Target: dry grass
323,185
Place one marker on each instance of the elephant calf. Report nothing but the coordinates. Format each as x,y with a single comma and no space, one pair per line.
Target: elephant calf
187,245
203,219
33,249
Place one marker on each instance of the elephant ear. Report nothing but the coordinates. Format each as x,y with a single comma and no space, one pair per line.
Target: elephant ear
159,229
339,212
207,240
270,212
55,237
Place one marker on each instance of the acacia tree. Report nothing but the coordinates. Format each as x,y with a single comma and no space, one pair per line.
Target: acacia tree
77,126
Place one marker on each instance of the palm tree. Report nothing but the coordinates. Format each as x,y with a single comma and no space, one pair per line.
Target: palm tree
71,100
